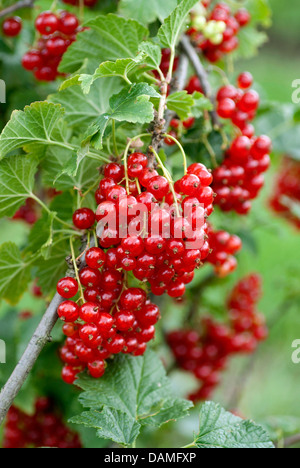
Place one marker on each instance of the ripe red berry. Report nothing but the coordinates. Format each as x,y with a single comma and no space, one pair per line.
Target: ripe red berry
124,320
158,186
84,218
69,374
245,80
95,258
96,368
32,60
133,298
226,108
68,311
243,17
67,287
90,277
12,27
47,23
89,312
68,23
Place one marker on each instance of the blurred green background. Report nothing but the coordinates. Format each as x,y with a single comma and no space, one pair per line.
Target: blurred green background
268,384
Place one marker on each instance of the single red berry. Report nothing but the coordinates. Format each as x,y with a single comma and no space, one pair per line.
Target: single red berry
124,320
32,60
67,287
84,218
245,80
68,23
243,17
47,23
69,374
133,298
105,323
159,187
116,344
68,311
115,172
96,368
88,333
189,184
226,108
12,27
95,257
89,312
90,277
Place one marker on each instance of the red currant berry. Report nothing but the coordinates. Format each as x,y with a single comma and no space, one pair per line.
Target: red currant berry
12,27
84,218
68,311
67,287
96,368
95,258
90,277
47,23
245,80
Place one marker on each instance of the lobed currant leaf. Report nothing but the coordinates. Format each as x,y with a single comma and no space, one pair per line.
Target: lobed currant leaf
14,273
81,110
146,12
111,424
16,182
153,53
181,102
221,429
34,125
173,26
137,390
132,104
109,37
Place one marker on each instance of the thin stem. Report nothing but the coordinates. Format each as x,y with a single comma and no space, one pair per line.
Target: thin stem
76,269
17,6
181,149
116,151
167,176
210,151
45,207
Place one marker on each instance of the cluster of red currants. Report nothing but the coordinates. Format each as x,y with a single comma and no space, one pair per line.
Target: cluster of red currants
57,32
28,212
205,353
45,428
223,248
226,40
141,229
112,319
240,178
165,224
11,27
286,198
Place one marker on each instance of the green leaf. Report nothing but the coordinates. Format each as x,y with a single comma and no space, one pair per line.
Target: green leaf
134,392
250,40
201,104
153,53
80,109
181,102
48,271
14,273
110,424
16,183
33,125
147,12
54,171
221,429
130,105
173,26
109,37
121,68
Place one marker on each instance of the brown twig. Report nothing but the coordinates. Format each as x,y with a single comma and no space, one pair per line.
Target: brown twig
160,125
39,339
16,6
201,73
